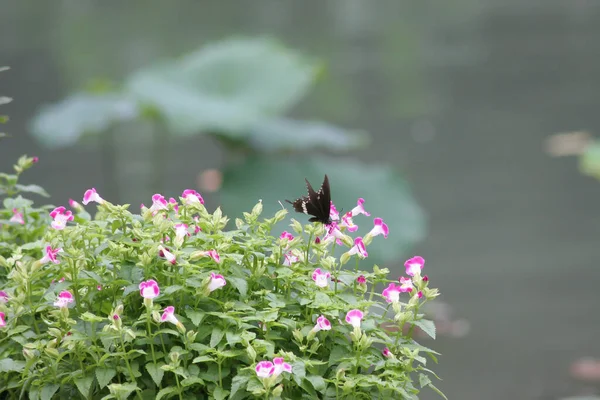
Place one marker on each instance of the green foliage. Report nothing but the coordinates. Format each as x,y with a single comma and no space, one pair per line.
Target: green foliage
111,343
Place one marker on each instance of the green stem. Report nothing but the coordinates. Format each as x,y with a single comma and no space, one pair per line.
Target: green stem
220,377
35,325
75,279
151,338
131,376
178,386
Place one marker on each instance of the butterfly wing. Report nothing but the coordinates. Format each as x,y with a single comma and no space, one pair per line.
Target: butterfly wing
316,204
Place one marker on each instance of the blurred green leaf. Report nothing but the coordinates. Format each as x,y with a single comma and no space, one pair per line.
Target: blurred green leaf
227,86
386,195
286,134
589,161
62,124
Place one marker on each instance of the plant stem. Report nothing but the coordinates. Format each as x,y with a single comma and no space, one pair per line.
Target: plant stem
35,325
132,377
178,386
151,338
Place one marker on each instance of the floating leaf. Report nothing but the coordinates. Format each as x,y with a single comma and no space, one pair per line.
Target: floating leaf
62,124
225,87
285,134
386,195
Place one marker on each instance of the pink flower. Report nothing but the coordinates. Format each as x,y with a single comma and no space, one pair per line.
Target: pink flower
3,296
60,216
166,254
354,317
348,223
181,231
91,195
280,366
99,287
197,227
64,299
386,353
414,265
419,294
333,213
322,324
17,217
286,235
361,280
50,255
158,203
359,209
321,277
425,278
214,255
169,316
190,196
406,284
149,289
380,228
216,282
174,203
317,240
289,259
264,369
358,248
392,293
35,160
2,320
333,231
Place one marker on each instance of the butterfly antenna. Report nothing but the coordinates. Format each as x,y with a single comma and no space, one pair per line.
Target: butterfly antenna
281,204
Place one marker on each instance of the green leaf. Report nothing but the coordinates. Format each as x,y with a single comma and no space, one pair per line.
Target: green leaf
194,380
299,371
232,338
438,391
84,385
321,300
155,371
317,382
48,391
426,326
104,376
386,195
220,393
238,383
225,87
203,359
195,316
216,337
424,380
62,124
240,284
173,289
280,134
32,189
8,365
166,391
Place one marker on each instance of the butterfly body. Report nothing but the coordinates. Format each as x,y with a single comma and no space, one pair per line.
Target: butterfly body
316,203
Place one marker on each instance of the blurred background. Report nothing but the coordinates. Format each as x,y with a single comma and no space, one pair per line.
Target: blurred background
456,121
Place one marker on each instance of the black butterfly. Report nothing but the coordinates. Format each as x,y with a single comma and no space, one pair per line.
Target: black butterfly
316,204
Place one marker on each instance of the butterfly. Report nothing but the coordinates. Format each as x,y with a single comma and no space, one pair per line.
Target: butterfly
316,204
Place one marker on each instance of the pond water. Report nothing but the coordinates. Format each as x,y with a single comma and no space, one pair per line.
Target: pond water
459,96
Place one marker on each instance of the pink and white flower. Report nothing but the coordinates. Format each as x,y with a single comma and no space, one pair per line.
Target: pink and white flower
190,196
197,227
212,254
414,265
359,248
149,289
286,235
322,324
386,353
289,259
419,294
264,369
166,254
17,217
216,282
380,228
74,205
50,255
3,296
169,316
333,213
348,223
2,320
60,217
64,299
333,232
321,278
91,195
406,284
174,203
280,366
392,293
354,317
359,209
181,231
361,280
158,203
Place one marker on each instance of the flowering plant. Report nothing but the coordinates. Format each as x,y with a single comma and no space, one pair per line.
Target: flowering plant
167,303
